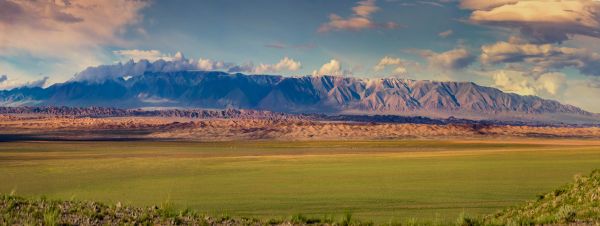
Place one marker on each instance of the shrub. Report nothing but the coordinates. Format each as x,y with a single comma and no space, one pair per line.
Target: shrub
51,217
566,214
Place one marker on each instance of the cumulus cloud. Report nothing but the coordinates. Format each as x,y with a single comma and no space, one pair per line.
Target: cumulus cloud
212,65
445,34
541,21
285,64
132,68
177,62
71,32
361,19
542,58
547,84
333,67
397,63
3,78
454,59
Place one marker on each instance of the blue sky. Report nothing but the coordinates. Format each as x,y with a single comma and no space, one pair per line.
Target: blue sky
244,31
530,47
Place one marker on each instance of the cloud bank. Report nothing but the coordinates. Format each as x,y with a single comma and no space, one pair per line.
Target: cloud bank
177,62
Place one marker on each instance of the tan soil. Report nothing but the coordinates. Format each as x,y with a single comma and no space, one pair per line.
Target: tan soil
279,129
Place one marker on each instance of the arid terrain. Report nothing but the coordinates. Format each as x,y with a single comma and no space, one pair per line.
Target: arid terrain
45,127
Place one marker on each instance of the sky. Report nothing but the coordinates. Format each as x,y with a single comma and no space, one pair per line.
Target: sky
531,47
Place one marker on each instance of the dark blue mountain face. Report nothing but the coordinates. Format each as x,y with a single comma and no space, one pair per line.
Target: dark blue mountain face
324,94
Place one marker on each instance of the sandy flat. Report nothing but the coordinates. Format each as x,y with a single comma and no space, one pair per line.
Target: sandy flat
264,129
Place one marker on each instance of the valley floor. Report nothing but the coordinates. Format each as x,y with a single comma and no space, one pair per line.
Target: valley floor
47,127
382,180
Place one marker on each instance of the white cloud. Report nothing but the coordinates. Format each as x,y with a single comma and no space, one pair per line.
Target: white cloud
212,65
333,67
547,84
542,58
133,68
397,63
583,93
7,84
580,93
73,33
177,62
361,19
553,83
458,58
46,27
485,5
539,20
285,64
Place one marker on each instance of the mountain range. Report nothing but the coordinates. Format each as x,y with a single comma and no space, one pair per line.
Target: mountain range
308,94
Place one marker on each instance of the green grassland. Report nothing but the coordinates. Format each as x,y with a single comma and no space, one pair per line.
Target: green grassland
577,202
382,181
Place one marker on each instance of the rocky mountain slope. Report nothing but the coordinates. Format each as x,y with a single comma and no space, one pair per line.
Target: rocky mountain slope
309,94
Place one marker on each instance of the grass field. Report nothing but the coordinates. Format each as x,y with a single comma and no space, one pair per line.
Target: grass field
374,180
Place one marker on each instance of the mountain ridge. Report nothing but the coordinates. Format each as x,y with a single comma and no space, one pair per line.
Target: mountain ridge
303,94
